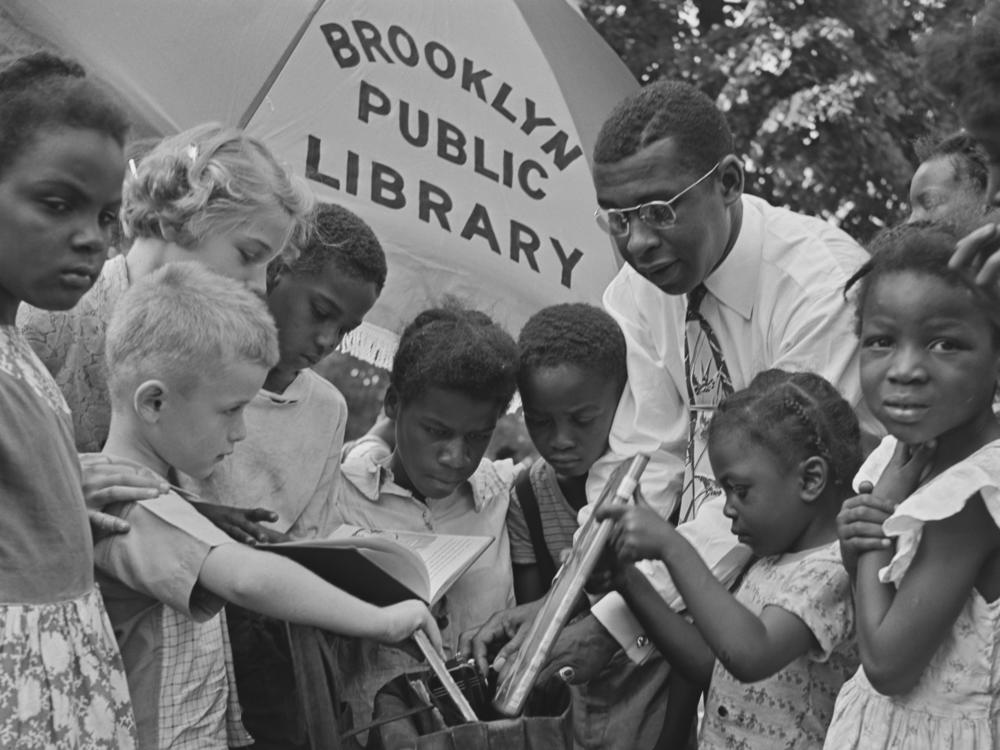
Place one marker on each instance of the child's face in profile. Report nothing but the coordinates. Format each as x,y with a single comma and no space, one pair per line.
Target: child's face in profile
59,198
568,412
197,428
929,358
441,436
762,496
314,313
242,252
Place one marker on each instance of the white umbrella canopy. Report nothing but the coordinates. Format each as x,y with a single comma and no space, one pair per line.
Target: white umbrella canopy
460,130
176,63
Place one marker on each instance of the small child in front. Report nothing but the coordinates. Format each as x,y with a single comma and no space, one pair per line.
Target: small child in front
784,450
452,378
187,349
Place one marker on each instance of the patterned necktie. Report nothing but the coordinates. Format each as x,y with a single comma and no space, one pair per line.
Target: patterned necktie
708,382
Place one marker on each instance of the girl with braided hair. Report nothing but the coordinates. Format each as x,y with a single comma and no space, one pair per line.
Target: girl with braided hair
784,450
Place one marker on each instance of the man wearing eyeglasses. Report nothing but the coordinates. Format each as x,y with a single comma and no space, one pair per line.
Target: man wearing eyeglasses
717,286
758,286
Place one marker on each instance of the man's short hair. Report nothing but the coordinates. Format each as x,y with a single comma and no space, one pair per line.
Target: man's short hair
183,322
666,109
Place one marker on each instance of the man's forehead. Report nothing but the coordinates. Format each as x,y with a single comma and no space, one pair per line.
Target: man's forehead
656,167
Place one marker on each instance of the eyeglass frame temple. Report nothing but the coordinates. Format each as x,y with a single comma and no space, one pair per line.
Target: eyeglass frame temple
626,211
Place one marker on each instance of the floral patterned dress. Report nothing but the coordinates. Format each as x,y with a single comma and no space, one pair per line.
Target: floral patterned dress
791,708
956,703
62,684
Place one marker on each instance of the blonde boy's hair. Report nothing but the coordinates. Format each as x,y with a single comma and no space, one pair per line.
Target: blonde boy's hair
184,322
209,180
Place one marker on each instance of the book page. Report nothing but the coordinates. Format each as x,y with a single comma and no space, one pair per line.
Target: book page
446,556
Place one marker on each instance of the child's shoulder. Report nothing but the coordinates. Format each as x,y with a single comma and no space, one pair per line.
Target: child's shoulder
492,481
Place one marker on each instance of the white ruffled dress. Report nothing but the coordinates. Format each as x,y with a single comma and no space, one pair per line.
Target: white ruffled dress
956,703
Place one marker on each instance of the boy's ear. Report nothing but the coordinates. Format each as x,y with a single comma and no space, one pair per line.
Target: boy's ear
148,400
813,473
391,402
731,172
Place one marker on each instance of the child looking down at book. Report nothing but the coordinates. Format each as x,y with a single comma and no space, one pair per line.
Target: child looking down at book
187,349
289,462
571,376
452,378
784,450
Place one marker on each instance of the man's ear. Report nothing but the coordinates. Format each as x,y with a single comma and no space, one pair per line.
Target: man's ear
148,400
391,402
814,473
732,178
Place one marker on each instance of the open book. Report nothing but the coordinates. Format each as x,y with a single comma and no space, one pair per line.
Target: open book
384,567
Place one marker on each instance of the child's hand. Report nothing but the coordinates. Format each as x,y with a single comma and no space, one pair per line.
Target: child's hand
903,473
639,532
110,479
977,260
400,621
242,524
859,526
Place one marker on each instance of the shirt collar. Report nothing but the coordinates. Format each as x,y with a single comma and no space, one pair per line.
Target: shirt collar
734,282
372,476
293,393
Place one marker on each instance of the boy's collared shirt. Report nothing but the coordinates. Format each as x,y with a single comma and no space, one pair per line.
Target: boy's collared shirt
171,631
371,498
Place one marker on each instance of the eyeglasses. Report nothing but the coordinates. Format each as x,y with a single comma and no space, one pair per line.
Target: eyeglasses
654,214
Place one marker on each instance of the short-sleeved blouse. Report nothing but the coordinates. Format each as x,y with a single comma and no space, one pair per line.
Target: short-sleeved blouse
956,703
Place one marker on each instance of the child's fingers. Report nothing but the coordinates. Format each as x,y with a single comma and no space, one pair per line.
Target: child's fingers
859,544
261,514
103,524
968,256
612,512
430,628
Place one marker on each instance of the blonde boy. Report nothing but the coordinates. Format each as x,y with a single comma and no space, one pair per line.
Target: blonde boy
186,350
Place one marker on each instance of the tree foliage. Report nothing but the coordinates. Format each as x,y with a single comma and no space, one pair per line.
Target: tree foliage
825,97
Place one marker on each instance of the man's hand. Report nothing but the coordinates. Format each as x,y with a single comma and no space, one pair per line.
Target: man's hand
242,524
505,631
110,479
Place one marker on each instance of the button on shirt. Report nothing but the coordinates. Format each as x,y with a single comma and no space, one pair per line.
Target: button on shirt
776,301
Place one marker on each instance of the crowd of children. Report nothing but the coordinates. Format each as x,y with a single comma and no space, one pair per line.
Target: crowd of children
160,418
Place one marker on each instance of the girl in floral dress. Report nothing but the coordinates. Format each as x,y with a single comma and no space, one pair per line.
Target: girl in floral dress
928,597
61,164
775,653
